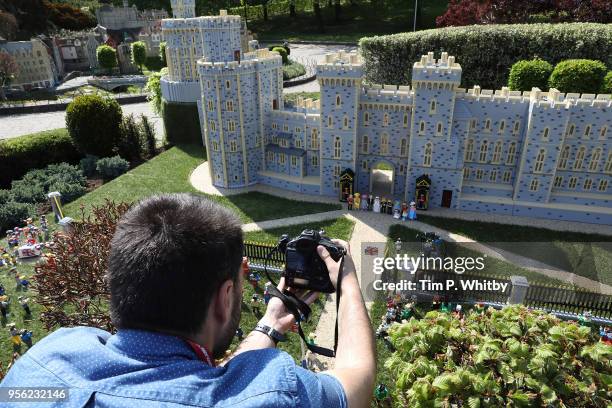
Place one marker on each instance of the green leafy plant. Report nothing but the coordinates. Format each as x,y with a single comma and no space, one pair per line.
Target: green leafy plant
493,358
607,83
88,165
527,74
283,53
139,53
107,57
162,53
578,75
111,167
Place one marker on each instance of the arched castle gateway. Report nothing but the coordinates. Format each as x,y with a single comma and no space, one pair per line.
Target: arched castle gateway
539,154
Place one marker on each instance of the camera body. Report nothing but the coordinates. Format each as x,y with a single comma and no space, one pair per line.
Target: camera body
304,268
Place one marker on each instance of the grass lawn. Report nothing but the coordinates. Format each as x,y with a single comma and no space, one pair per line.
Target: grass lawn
340,228
356,22
588,255
291,98
169,173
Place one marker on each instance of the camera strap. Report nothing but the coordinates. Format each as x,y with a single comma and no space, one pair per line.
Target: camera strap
301,311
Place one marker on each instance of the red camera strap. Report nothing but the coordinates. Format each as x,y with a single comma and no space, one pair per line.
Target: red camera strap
201,352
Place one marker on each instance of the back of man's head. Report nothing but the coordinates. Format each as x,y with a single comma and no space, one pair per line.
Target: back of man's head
169,255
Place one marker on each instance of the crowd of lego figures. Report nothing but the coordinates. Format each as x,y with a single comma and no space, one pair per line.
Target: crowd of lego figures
369,202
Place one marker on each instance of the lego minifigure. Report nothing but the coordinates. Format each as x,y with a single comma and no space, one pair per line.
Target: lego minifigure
357,200
376,205
398,246
24,304
412,213
311,338
364,203
254,279
389,207
381,392
4,306
256,304
349,202
404,211
239,333
370,202
396,210
15,337
26,337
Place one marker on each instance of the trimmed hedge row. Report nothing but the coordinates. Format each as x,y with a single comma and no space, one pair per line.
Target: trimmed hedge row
485,52
35,151
182,123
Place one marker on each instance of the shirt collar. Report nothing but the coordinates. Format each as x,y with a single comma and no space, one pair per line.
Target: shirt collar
149,345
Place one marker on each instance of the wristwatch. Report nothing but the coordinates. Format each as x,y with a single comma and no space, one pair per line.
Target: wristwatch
272,333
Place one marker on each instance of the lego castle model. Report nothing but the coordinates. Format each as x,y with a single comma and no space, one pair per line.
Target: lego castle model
538,154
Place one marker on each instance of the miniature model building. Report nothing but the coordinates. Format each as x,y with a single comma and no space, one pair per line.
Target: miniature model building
36,66
539,154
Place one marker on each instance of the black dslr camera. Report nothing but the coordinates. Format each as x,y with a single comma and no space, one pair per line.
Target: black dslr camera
304,267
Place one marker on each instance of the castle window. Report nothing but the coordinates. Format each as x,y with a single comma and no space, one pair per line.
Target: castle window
213,125
330,121
281,158
570,130
336,170
314,139
405,119
366,118
565,154
230,106
270,156
479,174
338,100
439,129
274,125
337,147
579,158
336,185
608,167
595,158
298,143
507,176
346,122
588,183
572,182
511,157
603,185
545,134
422,127
487,125
215,146
314,160
602,133
384,144
285,127
233,146
539,163
210,105
365,144
284,143
432,107
497,151
534,185
208,84
227,84
502,126
469,150
231,126
385,120
466,173
473,123
427,155
293,161
258,141
364,165
484,150
493,176
404,147
587,132
558,182
298,130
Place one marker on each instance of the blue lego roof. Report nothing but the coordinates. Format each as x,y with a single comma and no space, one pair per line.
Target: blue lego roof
291,151
462,111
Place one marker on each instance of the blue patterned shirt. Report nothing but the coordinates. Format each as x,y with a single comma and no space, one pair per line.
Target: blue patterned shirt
135,368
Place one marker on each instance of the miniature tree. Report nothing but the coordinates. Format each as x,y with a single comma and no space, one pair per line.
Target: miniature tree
139,53
148,133
153,88
70,285
8,71
525,75
8,25
107,57
162,53
578,75
607,83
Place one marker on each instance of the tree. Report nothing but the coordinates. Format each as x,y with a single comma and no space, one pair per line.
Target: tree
162,53
8,71
153,88
139,53
292,8
8,25
107,57
148,133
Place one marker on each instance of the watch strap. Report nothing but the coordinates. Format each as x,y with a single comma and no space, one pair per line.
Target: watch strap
275,335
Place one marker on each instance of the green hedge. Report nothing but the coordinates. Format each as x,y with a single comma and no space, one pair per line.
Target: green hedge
579,76
182,123
485,52
35,151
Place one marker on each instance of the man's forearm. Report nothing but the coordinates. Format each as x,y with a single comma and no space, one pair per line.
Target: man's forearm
254,341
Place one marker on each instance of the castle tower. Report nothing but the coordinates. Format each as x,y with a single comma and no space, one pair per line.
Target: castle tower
340,80
433,147
237,98
182,8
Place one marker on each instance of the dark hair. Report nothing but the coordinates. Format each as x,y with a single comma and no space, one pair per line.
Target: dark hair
169,255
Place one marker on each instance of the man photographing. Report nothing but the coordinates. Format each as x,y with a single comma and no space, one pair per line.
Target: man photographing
175,278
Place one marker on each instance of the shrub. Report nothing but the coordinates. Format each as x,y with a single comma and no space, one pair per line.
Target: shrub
111,167
182,123
21,154
579,75
131,144
94,124
153,89
607,83
509,357
389,59
527,74
283,54
35,184
148,134
162,53
139,53
107,57
88,165
5,196
286,47
293,70
13,213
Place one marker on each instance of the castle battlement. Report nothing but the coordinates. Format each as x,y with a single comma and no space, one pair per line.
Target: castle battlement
430,70
203,22
341,63
386,94
267,61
